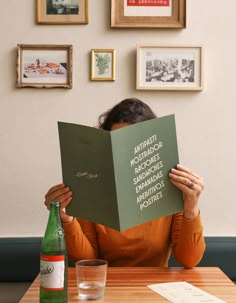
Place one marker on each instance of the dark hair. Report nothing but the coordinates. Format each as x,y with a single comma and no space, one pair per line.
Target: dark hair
130,110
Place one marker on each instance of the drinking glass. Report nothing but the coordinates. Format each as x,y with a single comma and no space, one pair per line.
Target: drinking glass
91,278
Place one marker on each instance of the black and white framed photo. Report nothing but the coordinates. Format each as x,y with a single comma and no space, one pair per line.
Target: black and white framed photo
161,67
62,11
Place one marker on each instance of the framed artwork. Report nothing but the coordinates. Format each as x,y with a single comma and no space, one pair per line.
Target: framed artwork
44,66
169,67
148,13
102,64
62,11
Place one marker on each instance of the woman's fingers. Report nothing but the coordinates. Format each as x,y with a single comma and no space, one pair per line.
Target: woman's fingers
181,168
189,190
184,177
66,202
191,185
54,189
59,193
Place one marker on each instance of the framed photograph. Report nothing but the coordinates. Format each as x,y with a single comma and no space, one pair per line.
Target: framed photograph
103,64
44,66
169,67
62,11
148,13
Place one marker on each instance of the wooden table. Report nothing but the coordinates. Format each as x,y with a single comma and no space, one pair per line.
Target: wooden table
129,284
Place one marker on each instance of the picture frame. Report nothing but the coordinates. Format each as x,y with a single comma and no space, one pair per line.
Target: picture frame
169,67
44,66
103,64
148,14
62,11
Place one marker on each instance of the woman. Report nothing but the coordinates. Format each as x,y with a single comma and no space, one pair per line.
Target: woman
150,243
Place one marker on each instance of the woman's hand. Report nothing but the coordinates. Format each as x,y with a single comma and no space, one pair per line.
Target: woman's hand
191,185
60,193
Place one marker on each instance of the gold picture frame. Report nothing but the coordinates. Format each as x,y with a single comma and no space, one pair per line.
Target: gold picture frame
103,64
148,13
44,66
62,11
169,67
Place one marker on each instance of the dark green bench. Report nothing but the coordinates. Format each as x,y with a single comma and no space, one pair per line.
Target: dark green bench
19,257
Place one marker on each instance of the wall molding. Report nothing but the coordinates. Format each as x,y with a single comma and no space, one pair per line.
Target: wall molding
19,257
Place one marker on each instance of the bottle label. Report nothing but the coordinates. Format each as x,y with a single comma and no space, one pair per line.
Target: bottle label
52,270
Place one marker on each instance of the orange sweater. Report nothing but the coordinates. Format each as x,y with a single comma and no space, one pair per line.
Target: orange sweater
148,244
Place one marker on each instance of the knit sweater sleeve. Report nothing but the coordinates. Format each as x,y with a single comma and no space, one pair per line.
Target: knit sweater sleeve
81,239
188,244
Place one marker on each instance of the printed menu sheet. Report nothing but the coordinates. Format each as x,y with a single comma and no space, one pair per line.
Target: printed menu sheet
183,292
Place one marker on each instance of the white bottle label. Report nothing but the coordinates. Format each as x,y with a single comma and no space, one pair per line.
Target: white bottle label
52,272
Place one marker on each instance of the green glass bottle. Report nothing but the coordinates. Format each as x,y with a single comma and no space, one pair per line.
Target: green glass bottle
53,260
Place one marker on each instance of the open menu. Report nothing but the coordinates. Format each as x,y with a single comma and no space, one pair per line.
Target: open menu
120,178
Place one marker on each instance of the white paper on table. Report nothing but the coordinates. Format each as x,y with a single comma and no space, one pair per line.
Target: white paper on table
183,292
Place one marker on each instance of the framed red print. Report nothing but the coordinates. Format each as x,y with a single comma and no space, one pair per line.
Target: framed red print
148,13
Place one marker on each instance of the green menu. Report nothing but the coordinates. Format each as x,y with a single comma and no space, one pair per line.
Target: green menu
120,178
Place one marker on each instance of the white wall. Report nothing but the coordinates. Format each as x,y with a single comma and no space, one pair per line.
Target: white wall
29,145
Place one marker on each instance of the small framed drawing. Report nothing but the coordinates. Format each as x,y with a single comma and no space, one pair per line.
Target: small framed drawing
148,13
169,67
62,11
44,66
102,64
